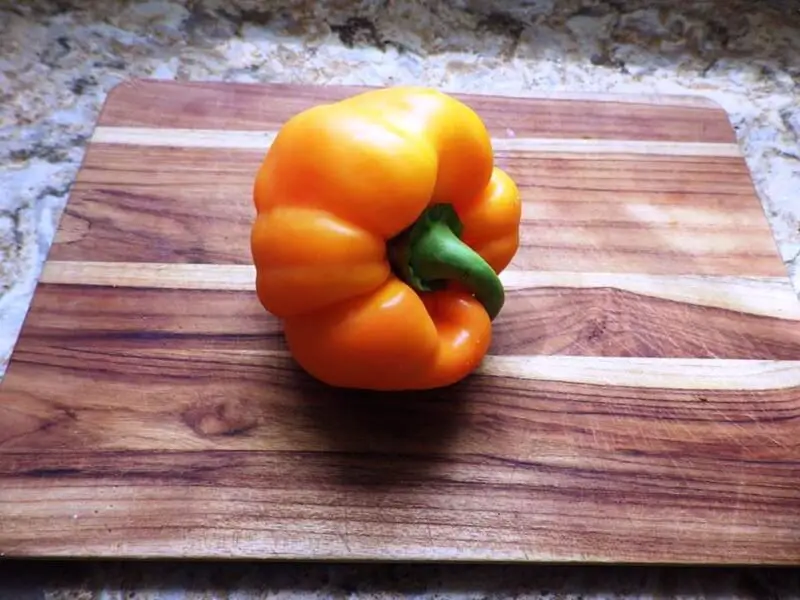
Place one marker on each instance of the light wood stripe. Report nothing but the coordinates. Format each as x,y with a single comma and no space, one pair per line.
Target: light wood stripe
673,100
184,138
175,276
765,296
661,373
624,371
260,140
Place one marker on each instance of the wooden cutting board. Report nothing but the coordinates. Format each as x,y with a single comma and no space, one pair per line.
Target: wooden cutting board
641,400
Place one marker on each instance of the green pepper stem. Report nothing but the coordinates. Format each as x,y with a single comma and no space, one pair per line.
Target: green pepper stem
430,253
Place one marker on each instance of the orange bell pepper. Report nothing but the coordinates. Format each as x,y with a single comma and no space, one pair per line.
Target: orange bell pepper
382,224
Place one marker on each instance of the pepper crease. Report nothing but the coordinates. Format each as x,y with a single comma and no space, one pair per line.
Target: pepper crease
382,225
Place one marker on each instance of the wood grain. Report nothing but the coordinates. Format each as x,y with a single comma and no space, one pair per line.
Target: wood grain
640,401
243,106
257,504
536,320
276,407
622,213
765,296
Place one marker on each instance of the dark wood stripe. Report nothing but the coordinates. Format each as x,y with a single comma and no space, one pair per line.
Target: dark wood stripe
207,397
620,178
74,320
548,506
611,322
612,214
259,107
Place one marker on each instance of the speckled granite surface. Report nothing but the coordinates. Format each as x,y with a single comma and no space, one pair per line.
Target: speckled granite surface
58,60
248,581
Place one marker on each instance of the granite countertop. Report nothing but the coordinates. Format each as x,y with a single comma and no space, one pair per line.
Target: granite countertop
253,581
59,59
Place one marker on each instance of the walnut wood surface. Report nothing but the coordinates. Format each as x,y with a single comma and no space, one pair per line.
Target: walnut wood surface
211,106
640,403
623,213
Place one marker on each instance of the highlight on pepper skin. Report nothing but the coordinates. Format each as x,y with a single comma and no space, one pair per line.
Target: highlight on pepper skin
381,227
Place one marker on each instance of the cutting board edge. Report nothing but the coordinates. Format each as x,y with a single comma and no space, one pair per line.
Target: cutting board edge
338,556
686,99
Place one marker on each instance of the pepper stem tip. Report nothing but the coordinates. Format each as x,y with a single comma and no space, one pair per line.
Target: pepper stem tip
431,253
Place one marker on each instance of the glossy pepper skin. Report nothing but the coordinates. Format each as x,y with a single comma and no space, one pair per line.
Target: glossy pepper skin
360,205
